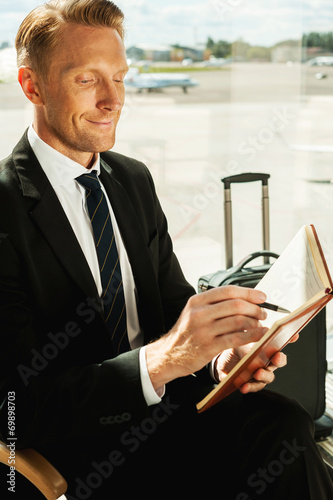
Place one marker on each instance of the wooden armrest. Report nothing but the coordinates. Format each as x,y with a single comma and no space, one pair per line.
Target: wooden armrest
37,470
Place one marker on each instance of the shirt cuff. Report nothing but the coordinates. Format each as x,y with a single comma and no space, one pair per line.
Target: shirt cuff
151,396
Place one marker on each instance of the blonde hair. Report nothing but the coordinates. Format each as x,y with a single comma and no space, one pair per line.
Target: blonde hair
39,33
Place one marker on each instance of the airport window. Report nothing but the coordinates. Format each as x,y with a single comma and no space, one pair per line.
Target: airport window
217,88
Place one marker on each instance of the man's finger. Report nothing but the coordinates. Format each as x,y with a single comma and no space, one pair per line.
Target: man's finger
229,292
279,360
261,378
236,308
264,376
252,387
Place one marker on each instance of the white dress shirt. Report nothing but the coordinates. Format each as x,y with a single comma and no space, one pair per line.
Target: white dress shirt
61,171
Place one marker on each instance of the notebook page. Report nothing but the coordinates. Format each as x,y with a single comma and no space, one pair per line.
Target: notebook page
292,279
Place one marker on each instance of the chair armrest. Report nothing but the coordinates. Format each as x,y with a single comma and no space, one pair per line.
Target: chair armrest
37,469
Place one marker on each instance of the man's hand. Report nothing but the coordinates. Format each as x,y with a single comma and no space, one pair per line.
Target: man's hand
225,362
211,322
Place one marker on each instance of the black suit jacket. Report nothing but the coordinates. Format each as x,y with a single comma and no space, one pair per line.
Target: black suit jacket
55,352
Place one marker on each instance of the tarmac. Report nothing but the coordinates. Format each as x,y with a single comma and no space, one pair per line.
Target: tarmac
271,118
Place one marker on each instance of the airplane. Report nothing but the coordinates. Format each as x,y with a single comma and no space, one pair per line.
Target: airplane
155,81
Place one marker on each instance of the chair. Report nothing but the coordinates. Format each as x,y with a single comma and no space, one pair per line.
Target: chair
38,471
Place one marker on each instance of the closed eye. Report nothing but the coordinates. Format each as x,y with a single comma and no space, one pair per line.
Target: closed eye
120,76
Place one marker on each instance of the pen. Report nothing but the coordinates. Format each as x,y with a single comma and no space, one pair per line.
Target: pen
273,307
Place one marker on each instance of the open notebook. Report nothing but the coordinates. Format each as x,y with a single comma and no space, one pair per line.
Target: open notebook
299,280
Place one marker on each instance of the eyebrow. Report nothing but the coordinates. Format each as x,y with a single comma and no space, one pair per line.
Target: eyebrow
70,68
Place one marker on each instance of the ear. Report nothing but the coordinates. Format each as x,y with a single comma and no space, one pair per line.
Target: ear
30,85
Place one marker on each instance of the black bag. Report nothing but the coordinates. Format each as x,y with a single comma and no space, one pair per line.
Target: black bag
304,376
240,275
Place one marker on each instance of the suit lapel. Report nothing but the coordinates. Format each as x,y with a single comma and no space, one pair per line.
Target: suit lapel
150,310
47,213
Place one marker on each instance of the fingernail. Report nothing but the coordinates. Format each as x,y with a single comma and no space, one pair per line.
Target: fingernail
261,296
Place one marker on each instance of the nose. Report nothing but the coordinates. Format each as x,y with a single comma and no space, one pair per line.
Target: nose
111,97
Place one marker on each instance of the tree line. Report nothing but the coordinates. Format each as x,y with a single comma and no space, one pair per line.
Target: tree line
322,40
224,49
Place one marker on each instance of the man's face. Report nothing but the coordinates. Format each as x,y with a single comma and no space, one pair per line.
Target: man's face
84,93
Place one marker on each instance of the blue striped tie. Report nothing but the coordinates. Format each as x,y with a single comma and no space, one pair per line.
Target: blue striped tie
108,258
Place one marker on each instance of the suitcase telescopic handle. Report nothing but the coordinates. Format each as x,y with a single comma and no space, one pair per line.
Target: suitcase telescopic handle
239,178
246,177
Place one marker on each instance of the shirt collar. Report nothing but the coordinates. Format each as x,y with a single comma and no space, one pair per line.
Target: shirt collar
59,169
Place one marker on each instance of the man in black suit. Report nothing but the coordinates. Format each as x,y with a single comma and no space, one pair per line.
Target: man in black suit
120,412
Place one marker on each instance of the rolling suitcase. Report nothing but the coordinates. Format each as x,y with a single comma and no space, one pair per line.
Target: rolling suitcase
242,274
304,376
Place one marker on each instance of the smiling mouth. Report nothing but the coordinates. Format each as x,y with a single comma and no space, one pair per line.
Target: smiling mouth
110,122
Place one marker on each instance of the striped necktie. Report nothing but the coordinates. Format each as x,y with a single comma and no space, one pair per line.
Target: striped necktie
108,258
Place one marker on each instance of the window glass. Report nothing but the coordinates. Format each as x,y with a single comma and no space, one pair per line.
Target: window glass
263,103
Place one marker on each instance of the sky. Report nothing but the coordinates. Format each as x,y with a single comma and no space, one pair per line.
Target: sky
188,22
